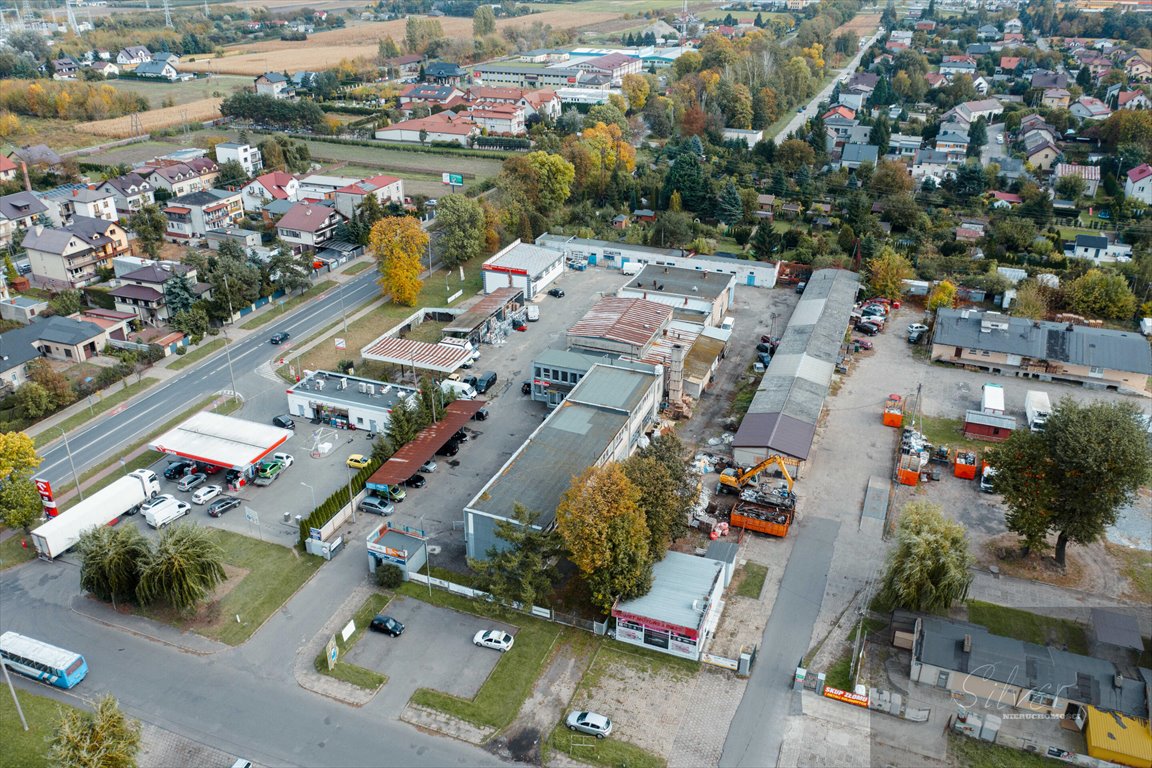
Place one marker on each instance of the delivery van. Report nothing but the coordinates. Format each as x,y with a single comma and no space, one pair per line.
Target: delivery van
161,514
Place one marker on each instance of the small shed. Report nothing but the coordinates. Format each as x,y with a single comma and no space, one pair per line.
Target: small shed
724,552
1118,738
988,426
406,548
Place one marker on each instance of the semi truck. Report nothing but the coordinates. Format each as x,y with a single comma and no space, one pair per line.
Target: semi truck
1038,408
59,534
168,509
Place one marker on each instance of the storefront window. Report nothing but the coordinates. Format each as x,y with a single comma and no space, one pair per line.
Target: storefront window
655,637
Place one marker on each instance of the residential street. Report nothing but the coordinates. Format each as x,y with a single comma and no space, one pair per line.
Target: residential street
994,151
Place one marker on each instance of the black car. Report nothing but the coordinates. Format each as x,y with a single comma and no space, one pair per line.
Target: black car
284,422
556,292
449,449
222,505
461,436
416,481
177,469
279,338
868,329
387,625
481,415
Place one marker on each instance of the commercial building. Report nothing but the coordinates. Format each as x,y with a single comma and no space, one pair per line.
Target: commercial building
524,266
698,296
602,420
526,75
624,327
1042,350
786,408
488,320
556,372
346,402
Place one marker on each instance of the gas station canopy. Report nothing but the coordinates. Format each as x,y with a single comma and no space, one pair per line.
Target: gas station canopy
221,440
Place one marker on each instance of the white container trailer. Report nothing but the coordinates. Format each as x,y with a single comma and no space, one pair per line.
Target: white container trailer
62,532
1038,408
992,400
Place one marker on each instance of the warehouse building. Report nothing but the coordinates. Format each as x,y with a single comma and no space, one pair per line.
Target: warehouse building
524,266
697,296
346,402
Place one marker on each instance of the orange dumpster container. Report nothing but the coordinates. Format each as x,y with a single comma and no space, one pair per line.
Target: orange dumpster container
964,465
894,411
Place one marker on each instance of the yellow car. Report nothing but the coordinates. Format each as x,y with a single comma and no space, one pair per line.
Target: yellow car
357,461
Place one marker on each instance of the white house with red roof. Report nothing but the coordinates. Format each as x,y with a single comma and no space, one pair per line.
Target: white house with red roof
8,169
497,118
1090,108
1132,100
1138,185
386,189
308,226
267,187
443,126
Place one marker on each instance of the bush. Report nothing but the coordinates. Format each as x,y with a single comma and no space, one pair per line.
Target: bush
389,576
181,350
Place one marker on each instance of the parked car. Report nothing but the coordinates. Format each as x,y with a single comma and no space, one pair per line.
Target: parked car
556,293
376,506
862,343
284,458
495,639
152,503
480,415
461,436
206,468
206,494
416,481
449,449
188,482
868,329
280,338
589,722
177,469
222,505
395,493
801,286
485,381
284,422
428,466
386,625
358,461
521,326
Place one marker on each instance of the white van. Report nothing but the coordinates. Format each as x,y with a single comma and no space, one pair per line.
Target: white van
160,514
727,324
631,267
463,391
533,312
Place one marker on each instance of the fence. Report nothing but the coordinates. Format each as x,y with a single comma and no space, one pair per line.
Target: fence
567,619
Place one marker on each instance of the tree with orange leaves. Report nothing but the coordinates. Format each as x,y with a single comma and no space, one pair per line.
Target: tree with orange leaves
397,243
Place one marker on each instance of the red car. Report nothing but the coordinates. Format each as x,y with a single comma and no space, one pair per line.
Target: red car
862,343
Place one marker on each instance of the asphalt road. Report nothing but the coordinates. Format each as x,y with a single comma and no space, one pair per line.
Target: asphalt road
755,734
993,151
95,442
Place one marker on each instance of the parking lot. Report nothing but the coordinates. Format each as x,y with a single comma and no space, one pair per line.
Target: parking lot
435,651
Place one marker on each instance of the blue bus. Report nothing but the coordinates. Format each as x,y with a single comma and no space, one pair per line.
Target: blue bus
41,661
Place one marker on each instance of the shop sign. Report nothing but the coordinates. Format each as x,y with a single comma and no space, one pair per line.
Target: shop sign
859,699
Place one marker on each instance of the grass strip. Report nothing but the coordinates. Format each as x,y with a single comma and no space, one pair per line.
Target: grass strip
1136,565
105,404
351,673
1029,627
359,267
610,752
281,307
970,753
503,693
13,553
197,354
753,582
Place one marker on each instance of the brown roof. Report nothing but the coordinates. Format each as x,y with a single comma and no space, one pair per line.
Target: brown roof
408,460
631,321
138,292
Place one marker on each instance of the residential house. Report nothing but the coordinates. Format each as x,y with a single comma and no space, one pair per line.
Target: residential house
903,145
543,102
932,164
1009,65
405,66
970,111
840,111
193,215
430,93
18,212
274,84
988,32
935,79
38,155
386,189
107,69
1089,173
1090,108
65,68
1137,186
158,70
1004,200
855,155
93,202
958,65
248,156
982,85
953,143
989,341
1098,249
1041,154
1013,26
308,226
65,258
316,187
1043,79
276,185
8,169
1132,100
497,118
59,338
168,56
439,127
142,291
131,192
181,179
1055,98
133,55
444,73
1137,68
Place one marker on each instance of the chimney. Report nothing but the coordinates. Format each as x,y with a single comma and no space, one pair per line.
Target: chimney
676,375
27,181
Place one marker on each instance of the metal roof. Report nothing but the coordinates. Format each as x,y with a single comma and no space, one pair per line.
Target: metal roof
524,258
1042,340
408,460
223,440
612,387
681,585
474,316
628,321
1116,628
989,420
676,281
419,354
560,241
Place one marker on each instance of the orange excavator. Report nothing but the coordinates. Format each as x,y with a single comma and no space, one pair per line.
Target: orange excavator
734,480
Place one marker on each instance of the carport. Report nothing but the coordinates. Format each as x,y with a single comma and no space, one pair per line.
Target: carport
444,358
490,318
221,440
408,460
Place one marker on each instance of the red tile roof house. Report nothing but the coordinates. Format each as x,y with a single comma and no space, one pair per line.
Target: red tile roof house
439,127
386,189
1139,184
267,187
308,226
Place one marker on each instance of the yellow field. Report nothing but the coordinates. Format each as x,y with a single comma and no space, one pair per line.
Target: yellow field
154,120
325,49
864,24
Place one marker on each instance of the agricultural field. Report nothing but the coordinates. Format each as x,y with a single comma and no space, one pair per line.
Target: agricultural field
325,49
61,135
130,154
864,24
405,164
619,6
183,93
156,119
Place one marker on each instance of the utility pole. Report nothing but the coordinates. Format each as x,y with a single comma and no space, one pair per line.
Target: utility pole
168,15
71,17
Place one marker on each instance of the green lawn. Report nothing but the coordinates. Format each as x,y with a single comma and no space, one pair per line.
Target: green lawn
503,693
351,673
1136,564
400,162
1030,627
970,753
12,553
609,6
949,432
182,92
27,749
610,752
752,582
286,305
196,355
106,403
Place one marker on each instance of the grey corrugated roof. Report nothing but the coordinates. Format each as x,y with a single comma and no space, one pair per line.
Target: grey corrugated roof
607,386
1080,678
989,419
681,585
1041,340
680,282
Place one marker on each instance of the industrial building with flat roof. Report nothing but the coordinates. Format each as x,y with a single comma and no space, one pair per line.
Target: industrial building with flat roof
602,420
698,296
346,402
786,407
524,266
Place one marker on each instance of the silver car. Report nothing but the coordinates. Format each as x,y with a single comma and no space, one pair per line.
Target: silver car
188,482
589,722
376,506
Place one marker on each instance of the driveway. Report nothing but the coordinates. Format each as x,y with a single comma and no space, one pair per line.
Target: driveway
435,651
993,151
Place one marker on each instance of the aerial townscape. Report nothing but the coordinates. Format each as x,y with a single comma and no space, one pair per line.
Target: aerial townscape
646,383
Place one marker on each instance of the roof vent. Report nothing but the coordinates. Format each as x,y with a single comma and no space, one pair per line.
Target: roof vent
1118,681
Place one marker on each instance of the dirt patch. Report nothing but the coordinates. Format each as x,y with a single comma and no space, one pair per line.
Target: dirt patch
209,612
1092,568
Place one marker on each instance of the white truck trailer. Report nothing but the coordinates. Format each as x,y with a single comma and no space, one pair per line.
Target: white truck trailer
59,534
1038,408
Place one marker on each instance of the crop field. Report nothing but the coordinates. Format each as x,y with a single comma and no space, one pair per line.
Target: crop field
325,49
182,93
154,120
617,6
864,24
399,162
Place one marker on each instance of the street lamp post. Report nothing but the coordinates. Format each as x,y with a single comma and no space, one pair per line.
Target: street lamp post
227,351
313,490
71,463
351,497
427,554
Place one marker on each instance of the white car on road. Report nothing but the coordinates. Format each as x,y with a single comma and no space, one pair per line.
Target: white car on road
206,494
495,639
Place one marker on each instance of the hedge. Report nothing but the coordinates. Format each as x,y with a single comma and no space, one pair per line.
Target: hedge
334,503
